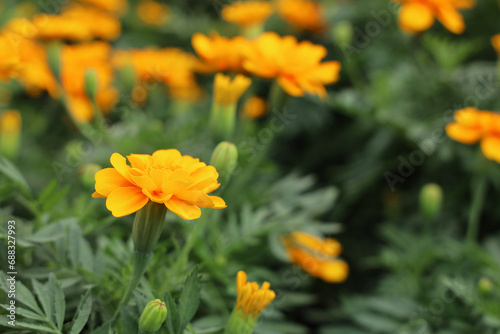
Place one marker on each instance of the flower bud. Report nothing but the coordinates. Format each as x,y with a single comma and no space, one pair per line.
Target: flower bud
342,33
54,59
148,224
10,130
431,198
224,159
153,316
87,174
91,83
485,286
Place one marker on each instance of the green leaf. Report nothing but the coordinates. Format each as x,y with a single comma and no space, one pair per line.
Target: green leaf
129,321
23,294
47,233
58,301
44,296
25,313
25,325
80,252
10,170
172,321
82,313
190,299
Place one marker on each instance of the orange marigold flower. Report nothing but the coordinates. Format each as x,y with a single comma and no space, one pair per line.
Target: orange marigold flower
255,107
49,27
252,299
179,182
75,61
472,125
112,6
318,257
100,24
296,65
418,15
303,14
220,53
247,13
153,12
495,41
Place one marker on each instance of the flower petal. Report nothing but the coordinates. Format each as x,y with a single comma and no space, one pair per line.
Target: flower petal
109,179
415,17
491,148
218,202
463,134
183,209
126,200
196,197
120,164
450,17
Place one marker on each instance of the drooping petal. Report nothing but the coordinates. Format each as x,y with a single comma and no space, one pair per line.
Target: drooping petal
463,134
415,17
183,209
126,200
108,179
490,146
290,86
218,202
450,17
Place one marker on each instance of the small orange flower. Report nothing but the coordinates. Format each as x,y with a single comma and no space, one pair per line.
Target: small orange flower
227,92
179,182
418,15
247,13
303,14
255,107
252,300
295,65
318,257
220,53
495,41
153,12
111,6
100,24
10,122
472,125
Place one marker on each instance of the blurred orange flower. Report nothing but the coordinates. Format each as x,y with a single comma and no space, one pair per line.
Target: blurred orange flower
179,182
247,13
303,14
220,53
418,15
99,23
296,65
75,61
227,92
472,125
318,257
112,6
255,107
495,41
153,12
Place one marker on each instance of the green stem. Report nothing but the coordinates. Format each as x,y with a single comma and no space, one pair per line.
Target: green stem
479,193
277,97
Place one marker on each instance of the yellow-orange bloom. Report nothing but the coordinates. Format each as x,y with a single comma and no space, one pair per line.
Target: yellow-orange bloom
303,14
255,107
495,41
153,12
318,257
247,13
100,24
295,65
75,61
472,125
179,182
10,122
220,53
418,15
112,6
252,300
227,92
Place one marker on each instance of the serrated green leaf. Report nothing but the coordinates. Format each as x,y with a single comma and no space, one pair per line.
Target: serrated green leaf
44,296
82,313
10,170
80,252
25,313
23,294
58,301
190,299
172,321
129,321
47,233
25,325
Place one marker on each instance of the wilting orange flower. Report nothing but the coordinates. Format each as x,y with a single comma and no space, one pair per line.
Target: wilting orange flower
227,92
75,61
318,257
112,6
295,65
495,41
220,53
247,13
252,300
303,14
472,125
255,107
418,15
153,12
180,182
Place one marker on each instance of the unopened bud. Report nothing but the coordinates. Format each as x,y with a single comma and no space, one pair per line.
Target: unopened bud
431,198
87,174
342,33
224,158
153,316
485,285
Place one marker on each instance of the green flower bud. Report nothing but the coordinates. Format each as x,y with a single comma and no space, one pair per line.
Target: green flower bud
485,286
54,59
431,198
148,224
87,174
153,316
342,33
224,159
91,83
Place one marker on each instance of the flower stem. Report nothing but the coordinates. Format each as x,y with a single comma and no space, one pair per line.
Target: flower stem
277,97
479,193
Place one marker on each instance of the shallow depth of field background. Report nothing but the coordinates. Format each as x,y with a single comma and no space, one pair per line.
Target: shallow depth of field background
350,167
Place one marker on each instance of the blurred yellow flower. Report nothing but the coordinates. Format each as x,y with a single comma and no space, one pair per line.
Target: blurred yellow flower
227,92
220,53
255,107
472,125
303,14
295,65
153,12
418,15
75,61
112,6
179,182
495,41
252,299
10,122
318,257
247,13
99,23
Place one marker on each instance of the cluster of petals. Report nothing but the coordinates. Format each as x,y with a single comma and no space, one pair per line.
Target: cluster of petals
247,13
227,91
252,299
318,257
418,15
302,14
179,182
472,125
